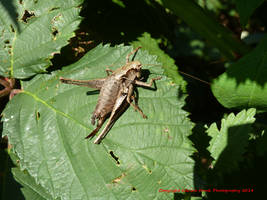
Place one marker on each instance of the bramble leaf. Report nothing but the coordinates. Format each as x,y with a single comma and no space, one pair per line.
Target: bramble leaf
228,143
48,121
244,84
32,32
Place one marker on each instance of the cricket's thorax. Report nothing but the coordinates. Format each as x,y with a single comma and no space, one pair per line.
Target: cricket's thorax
121,72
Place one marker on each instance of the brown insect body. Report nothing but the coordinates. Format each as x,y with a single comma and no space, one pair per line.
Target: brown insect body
112,86
116,93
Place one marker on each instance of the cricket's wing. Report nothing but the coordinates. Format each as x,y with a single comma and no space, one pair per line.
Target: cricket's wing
95,83
119,107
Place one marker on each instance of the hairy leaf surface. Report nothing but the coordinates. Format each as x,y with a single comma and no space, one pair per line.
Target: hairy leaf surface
244,84
48,121
228,143
32,32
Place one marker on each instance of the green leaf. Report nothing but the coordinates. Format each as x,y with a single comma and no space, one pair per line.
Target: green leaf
170,69
246,8
228,144
29,40
30,189
48,121
207,27
244,85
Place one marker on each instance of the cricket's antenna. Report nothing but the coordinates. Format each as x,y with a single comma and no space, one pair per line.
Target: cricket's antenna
191,76
131,53
194,77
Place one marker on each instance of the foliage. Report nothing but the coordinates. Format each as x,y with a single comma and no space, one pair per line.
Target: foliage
244,83
41,30
216,34
230,141
246,9
51,110
189,141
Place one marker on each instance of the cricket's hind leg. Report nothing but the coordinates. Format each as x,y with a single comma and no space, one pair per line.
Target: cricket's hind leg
100,122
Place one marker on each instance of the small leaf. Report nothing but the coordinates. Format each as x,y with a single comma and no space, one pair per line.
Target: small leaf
138,156
32,32
228,144
246,8
244,83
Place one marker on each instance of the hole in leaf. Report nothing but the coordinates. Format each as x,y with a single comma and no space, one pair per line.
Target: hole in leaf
12,29
56,8
38,115
27,15
56,18
54,31
20,2
6,41
133,189
115,157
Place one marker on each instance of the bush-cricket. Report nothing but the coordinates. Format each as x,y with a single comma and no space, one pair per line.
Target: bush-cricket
116,94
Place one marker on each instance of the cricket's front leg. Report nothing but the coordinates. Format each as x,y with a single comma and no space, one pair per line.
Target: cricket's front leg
95,83
140,83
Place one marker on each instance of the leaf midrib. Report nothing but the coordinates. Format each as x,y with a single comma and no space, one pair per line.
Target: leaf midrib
54,109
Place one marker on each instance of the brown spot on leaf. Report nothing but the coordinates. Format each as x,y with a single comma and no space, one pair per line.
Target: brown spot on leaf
147,169
166,130
118,179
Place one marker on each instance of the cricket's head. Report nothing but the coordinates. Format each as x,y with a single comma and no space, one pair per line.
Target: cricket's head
136,66
132,68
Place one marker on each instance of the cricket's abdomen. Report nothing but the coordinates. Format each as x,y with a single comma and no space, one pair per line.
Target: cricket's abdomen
106,99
